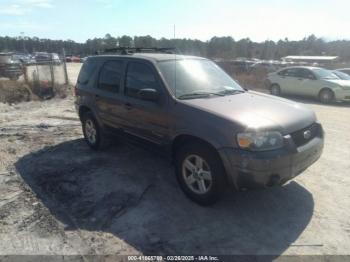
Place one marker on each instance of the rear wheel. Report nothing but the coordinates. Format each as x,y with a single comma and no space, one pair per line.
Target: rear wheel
326,96
200,173
93,133
275,90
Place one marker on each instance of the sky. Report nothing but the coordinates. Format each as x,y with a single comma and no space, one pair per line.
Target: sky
259,20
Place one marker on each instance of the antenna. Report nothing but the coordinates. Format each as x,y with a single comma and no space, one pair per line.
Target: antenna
175,59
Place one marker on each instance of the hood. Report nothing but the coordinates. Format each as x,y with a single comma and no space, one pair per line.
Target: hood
340,82
254,110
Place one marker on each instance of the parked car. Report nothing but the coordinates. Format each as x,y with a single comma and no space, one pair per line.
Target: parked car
75,59
72,59
263,67
68,59
10,67
341,75
309,82
25,59
216,132
47,58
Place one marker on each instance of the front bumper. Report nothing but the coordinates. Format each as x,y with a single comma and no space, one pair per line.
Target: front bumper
342,95
247,169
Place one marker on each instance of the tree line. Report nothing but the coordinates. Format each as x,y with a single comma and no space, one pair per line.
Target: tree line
216,47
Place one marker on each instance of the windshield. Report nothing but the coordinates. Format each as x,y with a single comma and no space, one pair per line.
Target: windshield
197,77
342,75
324,74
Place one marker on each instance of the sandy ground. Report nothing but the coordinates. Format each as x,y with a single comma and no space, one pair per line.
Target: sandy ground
59,197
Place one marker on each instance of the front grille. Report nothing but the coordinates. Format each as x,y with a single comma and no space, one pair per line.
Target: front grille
299,137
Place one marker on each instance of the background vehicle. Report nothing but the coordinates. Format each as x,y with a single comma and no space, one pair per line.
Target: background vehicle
10,67
263,67
212,128
25,59
47,58
73,59
309,82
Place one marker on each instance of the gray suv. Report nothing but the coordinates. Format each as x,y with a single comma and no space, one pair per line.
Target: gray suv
216,132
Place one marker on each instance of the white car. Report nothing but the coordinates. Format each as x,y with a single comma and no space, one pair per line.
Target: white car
311,82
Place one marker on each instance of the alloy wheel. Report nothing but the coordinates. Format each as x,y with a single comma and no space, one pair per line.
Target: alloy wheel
197,174
90,131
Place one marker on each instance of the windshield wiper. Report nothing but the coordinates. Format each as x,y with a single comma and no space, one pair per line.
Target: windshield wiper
231,91
199,94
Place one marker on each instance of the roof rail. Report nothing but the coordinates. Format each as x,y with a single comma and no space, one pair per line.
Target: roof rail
133,50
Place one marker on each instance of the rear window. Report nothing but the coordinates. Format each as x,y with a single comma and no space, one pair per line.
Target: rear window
86,71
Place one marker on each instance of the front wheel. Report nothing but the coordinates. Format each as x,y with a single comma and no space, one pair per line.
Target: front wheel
200,173
275,90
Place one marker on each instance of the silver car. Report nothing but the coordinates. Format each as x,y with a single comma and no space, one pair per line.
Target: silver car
310,82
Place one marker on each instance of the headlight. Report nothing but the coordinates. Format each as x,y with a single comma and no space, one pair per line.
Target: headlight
260,141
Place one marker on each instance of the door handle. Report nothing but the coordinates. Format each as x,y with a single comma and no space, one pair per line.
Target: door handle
128,106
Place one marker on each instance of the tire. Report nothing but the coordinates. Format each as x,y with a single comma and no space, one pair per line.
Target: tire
275,90
93,133
326,96
203,186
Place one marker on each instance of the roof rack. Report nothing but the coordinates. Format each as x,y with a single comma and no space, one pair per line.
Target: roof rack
133,50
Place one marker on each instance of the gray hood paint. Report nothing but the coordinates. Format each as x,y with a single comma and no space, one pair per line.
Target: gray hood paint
257,111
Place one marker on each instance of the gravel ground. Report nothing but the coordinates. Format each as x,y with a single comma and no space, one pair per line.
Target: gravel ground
59,197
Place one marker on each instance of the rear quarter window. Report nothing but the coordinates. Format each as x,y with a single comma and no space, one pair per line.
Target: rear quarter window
86,71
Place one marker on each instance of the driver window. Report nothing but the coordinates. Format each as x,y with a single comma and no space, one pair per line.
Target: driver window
139,76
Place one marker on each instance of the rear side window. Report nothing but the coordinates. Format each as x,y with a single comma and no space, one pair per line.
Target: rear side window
110,76
288,72
139,76
86,71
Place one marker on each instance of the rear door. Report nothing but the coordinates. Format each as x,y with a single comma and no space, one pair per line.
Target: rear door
146,119
108,99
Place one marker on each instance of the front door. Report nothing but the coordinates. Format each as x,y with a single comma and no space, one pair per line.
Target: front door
308,83
289,81
146,119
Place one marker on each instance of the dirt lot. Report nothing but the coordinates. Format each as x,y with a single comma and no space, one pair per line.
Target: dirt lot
59,197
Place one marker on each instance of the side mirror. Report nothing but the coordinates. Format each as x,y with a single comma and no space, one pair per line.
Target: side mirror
148,94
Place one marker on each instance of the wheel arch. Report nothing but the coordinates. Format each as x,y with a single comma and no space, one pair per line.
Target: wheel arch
83,110
325,88
181,139
274,84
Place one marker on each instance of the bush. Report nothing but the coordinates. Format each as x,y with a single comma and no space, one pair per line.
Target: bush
254,80
16,91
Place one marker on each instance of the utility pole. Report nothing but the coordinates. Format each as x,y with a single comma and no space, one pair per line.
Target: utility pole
66,80
24,45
